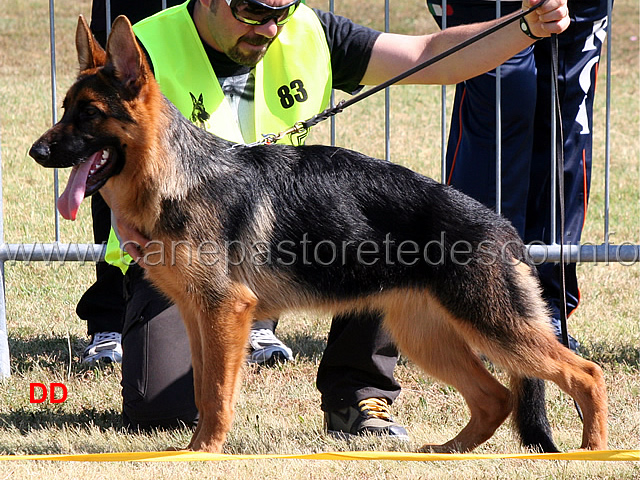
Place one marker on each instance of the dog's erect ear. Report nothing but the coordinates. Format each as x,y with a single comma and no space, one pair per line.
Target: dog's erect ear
124,57
90,53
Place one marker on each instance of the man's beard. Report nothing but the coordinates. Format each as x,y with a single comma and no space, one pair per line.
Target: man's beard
252,58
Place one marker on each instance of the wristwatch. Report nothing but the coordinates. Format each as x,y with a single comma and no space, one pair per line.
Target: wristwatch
524,26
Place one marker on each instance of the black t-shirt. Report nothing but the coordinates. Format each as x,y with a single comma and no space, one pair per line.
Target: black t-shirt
134,10
350,44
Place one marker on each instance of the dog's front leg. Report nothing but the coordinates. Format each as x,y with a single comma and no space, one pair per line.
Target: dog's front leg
218,339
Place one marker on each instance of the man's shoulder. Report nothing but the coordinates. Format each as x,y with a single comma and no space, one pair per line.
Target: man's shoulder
350,46
340,30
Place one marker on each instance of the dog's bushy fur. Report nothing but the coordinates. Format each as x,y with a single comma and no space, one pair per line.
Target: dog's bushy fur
314,227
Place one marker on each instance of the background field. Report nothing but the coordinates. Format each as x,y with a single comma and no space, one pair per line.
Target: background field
278,410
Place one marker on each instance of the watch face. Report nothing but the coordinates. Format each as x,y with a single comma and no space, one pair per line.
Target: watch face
524,26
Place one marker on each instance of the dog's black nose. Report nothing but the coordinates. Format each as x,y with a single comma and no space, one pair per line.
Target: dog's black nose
40,152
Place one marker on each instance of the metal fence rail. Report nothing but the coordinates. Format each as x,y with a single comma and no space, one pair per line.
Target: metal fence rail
625,253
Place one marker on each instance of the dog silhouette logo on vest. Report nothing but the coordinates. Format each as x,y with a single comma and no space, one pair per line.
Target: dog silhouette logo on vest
199,115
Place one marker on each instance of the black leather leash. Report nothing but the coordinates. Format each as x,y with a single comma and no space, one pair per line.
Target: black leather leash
559,143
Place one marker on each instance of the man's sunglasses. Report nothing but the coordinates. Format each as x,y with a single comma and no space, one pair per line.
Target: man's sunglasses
253,12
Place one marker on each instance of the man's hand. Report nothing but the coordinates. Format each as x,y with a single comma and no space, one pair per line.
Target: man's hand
133,242
550,18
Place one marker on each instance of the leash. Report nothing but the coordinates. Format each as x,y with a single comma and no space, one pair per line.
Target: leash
302,128
559,143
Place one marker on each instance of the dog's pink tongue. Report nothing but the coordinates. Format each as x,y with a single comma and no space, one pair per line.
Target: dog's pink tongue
70,200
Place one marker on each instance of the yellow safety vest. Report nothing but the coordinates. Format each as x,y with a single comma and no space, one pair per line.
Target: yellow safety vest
292,82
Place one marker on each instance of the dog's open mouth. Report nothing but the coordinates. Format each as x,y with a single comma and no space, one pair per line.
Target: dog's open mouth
85,179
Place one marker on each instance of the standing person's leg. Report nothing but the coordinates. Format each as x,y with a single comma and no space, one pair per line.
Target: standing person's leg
579,53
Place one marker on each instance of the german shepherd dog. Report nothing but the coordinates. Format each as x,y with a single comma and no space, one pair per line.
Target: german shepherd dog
248,232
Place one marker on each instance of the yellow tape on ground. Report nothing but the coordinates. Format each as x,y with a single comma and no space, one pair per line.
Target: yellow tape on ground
600,456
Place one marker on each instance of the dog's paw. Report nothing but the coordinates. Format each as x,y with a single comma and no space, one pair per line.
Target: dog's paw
178,449
430,448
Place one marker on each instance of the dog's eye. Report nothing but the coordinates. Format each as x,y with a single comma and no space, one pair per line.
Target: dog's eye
88,113
91,111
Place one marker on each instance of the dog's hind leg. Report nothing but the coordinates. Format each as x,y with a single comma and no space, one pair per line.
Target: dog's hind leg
218,339
584,381
541,355
422,332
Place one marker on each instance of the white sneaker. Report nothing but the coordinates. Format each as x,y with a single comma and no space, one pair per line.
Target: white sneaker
105,347
266,349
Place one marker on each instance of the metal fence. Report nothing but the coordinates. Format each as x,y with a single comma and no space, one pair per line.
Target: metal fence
57,251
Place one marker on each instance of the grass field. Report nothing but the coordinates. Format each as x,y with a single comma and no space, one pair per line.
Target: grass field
278,409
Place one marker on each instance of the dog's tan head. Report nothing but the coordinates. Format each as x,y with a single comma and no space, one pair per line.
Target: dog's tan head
100,134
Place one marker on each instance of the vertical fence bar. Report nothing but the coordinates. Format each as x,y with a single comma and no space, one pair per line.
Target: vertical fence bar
498,127
607,148
443,113
332,8
387,97
107,15
5,364
54,112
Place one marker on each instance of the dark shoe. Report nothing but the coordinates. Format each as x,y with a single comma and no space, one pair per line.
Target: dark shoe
369,417
574,345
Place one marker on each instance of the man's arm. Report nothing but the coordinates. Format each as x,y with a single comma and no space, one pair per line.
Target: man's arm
393,54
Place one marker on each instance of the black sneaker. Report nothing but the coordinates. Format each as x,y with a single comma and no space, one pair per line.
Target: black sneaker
574,345
369,417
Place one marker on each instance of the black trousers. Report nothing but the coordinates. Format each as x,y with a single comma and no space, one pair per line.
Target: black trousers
357,363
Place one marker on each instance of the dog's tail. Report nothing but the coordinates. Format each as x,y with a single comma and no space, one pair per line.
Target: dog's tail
530,414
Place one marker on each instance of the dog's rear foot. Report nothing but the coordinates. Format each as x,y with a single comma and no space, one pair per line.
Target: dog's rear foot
444,448
178,449
592,446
